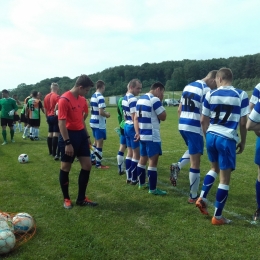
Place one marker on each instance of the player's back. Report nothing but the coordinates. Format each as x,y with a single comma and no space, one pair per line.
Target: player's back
192,98
225,106
129,107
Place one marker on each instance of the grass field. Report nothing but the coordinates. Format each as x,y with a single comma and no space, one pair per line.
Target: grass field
128,223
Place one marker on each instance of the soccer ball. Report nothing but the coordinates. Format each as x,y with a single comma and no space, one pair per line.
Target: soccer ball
6,218
7,241
23,222
23,158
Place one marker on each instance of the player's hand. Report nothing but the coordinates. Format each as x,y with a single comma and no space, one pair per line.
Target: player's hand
107,114
136,138
69,150
240,147
11,113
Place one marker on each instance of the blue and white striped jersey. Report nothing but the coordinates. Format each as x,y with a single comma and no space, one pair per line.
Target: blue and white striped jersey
192,98
225,106
129,107
256,94
148,107
96,121
255,113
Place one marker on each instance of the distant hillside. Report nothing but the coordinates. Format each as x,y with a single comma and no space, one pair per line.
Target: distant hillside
174,74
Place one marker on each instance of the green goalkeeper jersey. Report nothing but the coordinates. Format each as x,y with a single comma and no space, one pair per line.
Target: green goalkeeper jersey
120,113
6,105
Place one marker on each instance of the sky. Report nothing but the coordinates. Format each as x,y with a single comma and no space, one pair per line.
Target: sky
42,39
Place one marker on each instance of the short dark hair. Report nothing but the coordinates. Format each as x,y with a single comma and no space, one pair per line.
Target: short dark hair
225,74
133,83
156,85
34,93
84,81
5,91
100,84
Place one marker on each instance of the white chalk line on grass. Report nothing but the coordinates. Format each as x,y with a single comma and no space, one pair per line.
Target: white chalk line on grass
186,194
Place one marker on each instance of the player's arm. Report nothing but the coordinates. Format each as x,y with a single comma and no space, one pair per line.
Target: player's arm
103,113
162,116
64,132
251,106
179,109
243,133
252,126
204,121
136,126
41,107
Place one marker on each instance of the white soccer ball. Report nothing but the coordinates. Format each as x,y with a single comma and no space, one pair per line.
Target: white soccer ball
23,222
8,219
23,158
7,241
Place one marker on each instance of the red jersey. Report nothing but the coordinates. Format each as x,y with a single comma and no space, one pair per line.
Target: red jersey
72,110
50,101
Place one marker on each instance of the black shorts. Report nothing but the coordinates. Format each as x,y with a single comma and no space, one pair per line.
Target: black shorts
5,122
24,119
34,122
53,124
16,118
79,141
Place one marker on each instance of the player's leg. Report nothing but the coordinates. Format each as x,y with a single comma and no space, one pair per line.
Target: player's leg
11,125
257,185
83,154
56,132
129,155
65,167
141,166
4,124
120,154
154,150
136,156
210,177
227,163
176,167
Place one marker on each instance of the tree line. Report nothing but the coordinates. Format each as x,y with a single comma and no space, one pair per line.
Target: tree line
173,74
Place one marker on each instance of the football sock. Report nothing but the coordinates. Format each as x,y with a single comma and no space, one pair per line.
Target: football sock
49,143
152,175
185,159
54,145
207,183
20,127
31,132
134,169
36,132
128,161
82,184
141,173
221,197
12,133
93,157
99,150
194,177
4,135
257,189
25,131
64,184
120,161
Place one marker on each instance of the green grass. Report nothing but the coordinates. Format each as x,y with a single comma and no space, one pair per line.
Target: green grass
128,223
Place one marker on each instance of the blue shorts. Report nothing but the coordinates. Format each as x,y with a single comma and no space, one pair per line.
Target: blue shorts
149,148
130,136
122,140
99,133
53,124
221,150
257,151
194,142
79,141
